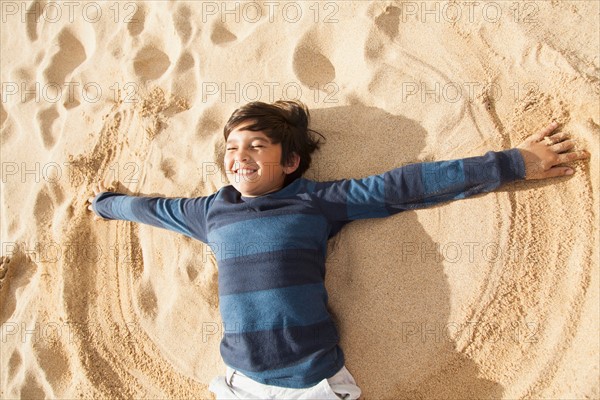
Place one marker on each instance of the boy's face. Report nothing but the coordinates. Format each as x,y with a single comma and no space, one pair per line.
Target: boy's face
253,163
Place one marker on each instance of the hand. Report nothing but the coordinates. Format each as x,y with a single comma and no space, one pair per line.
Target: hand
543,153
99,188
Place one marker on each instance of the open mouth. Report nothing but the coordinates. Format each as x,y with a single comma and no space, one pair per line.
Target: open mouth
245,171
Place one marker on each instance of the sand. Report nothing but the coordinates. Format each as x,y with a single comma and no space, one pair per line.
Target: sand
496,296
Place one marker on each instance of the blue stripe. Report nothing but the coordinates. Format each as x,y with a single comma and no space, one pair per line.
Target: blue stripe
172,210
271,270
268,234
156,211
274,308
366,198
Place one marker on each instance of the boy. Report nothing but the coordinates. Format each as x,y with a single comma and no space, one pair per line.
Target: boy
269,232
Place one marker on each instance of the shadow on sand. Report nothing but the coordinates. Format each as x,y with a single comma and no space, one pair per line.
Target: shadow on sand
387,287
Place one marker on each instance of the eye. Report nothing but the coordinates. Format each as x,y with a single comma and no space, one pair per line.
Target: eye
230,148
257,146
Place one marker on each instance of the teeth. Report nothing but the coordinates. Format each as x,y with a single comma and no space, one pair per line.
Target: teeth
244,170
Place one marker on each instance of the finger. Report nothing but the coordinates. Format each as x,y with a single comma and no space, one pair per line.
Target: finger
558,137
572,156
545,132
562,146
558,171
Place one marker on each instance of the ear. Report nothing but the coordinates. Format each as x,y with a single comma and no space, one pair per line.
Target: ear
292,165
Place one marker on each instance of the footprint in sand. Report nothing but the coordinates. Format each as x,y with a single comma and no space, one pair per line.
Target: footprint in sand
56,191
70,55
54,361
168,168
46,119
32,389
150,63
311,67
192,272
224,33
33,15
14,364
386,22
221,35
15,272
185,83
209,122
14,376
185,62
181,20
44,209
147,300
136,25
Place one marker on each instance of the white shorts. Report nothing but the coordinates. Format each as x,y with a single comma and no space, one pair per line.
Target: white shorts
235,385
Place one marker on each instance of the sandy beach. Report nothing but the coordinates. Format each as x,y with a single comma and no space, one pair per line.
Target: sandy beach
495,296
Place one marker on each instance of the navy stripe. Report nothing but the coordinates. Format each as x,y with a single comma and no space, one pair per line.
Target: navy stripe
275,308
293,199
270,270
482,173
331,197
278,348
511,165
301,376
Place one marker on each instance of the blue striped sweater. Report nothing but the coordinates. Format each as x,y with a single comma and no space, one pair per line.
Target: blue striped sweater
271,253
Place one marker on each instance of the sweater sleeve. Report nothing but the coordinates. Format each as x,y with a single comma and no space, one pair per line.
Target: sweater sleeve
183,215
417,186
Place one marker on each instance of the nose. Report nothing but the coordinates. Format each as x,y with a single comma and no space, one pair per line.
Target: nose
241,155
236,158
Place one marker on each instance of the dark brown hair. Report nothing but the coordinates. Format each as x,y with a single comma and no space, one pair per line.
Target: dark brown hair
284,122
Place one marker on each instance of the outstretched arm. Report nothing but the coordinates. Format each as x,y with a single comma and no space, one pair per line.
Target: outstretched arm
544,152
183,215
426,184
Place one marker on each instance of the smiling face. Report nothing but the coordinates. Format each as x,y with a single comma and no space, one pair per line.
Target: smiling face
253,162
